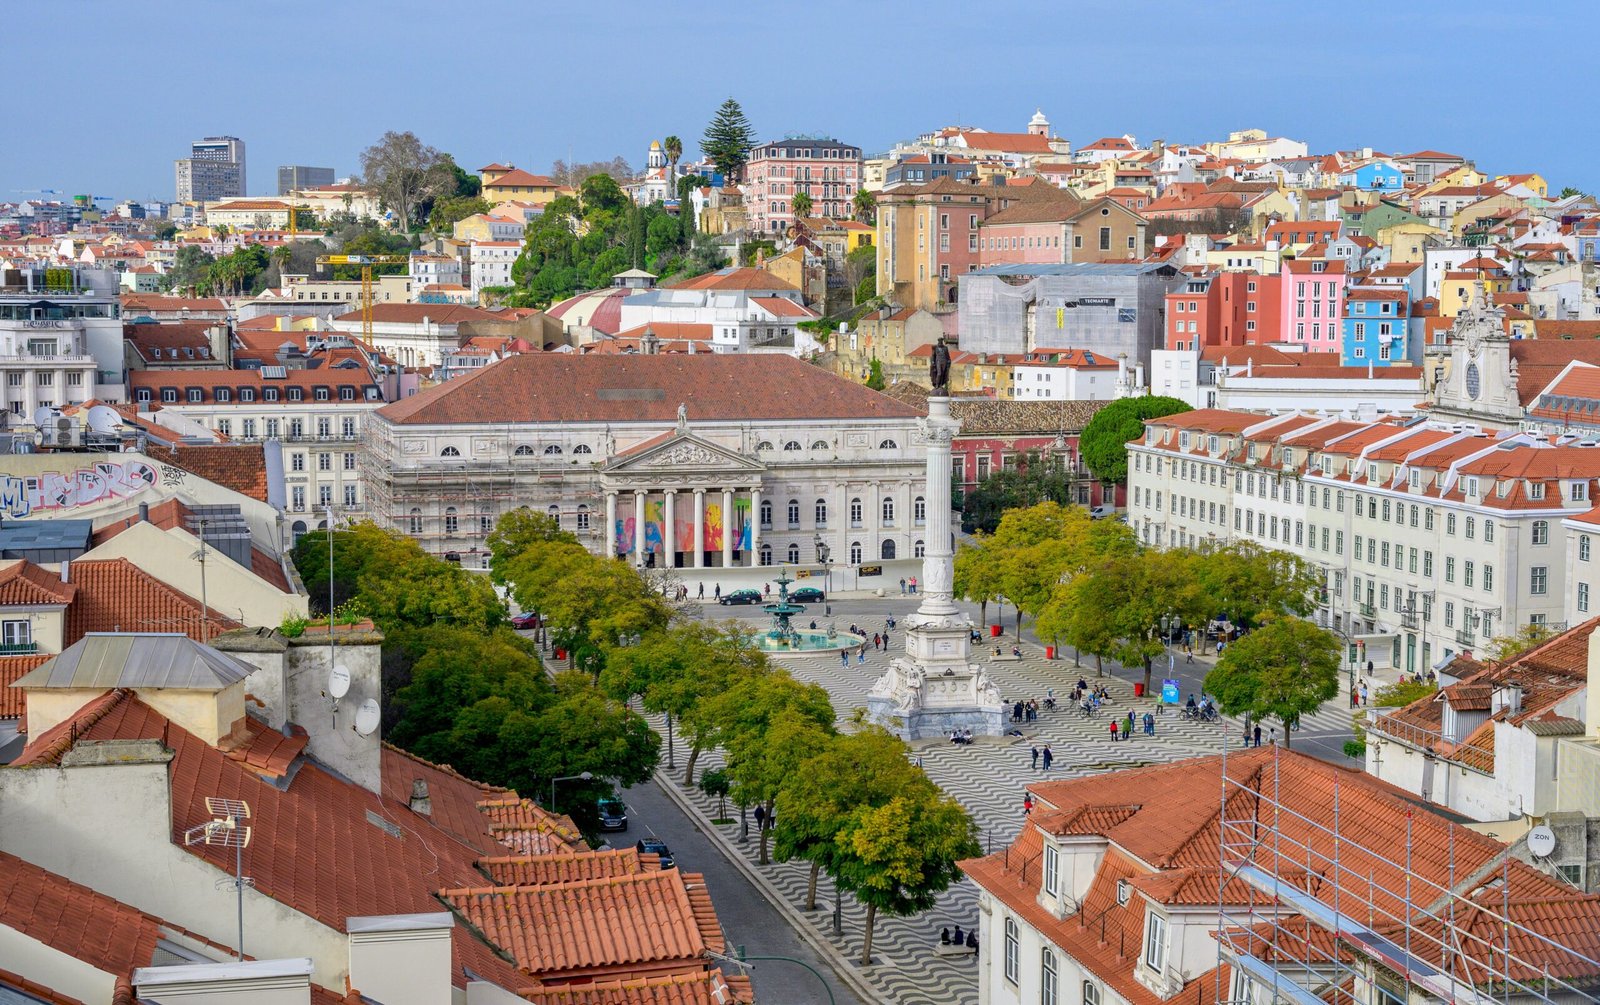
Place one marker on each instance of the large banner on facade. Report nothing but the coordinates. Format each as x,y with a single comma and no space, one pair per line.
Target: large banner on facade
655,521
741,524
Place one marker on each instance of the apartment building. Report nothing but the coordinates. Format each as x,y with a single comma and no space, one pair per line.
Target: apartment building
826,170
1434,538
60,337
491,263
213,170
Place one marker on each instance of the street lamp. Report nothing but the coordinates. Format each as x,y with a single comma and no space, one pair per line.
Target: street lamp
584,776
823,551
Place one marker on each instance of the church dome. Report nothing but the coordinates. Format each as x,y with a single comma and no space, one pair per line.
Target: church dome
598,309
655,144
1038,118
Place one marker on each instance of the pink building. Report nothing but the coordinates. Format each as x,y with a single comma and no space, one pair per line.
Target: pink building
826,170
1312,291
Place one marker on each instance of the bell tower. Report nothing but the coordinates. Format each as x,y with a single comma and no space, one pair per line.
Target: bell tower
1481,384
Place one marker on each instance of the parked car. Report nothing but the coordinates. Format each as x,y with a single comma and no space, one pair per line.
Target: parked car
1102,511
524,621
657,846
741,597
806,595
613,815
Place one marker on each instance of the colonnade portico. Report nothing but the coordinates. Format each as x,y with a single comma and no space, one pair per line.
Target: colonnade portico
649,524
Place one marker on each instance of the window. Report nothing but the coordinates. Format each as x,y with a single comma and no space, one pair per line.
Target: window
855,552
888,512
582,448
919,510
766,513
1538,579
1450,524
1467,570
918,549
1052,866
17,633
1091,993
888,445
822,512
1013,950
486,521
766,554
1048,993
1583,548
1449,569
1541,532
1488,530
553,450
1583,597
297,462
855,512
449,452
1155,942
791,445
583,517
349,461
414,521
324,462
452,522
763,446
350,495
325,495
299,493
1105,238
1488,578
794,512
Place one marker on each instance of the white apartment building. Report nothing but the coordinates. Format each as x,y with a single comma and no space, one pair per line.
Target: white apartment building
1434,538
435,270
491,263
1068,375
60,337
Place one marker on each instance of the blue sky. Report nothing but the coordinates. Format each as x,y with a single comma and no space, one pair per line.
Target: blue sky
103,96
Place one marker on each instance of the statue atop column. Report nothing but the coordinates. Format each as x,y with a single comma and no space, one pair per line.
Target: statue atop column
939,368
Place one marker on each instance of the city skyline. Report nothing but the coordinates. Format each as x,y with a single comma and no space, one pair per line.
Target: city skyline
1415,81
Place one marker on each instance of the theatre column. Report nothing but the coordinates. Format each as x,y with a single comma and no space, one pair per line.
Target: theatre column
727,528
699,528
669,533
755,526
611,525
638,529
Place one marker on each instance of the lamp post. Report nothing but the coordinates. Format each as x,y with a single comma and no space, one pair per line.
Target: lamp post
823,553
747,962
584,776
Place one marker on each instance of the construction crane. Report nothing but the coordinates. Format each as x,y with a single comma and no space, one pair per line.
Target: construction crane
366,262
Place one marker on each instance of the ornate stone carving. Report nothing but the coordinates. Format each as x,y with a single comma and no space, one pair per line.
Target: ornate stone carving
414,446
682,454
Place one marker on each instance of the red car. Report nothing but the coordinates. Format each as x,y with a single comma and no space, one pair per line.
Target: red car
525,620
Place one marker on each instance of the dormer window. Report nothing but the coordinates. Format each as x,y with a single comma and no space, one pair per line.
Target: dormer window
1183,440
1211,444
1579,491
1122,892
1472,488
1052,870
1155,942
1536,490
1414,478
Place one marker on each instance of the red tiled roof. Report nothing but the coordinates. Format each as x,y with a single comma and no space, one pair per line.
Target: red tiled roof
711,987
783,307
735,279
540,870
74,920
115,595
517,176
14,700
563,387
268,752
443,314
24,584
133,303
241,467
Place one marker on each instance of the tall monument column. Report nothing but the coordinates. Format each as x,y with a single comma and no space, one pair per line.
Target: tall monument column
935,687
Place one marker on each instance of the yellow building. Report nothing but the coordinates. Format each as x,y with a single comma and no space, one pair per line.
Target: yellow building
1407,241
507,183
1534,183
1456,289
892,337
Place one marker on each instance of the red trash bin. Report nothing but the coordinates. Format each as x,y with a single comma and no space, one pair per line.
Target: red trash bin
561,654
1138,689
994,631
1049,652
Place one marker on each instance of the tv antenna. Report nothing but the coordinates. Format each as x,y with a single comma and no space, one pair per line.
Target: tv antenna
205,606
367,717
226,829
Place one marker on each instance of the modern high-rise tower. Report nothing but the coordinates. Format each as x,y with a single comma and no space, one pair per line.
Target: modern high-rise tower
213,170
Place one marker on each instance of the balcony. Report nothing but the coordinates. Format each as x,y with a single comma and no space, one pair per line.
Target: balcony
1367,610
1464,637
19,648
1411,620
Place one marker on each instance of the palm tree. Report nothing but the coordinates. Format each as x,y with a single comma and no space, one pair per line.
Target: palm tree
801,204
673,148
864,202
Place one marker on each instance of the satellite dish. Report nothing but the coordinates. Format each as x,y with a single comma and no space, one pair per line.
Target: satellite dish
338,681
1541,841
104,420
43,415
367,717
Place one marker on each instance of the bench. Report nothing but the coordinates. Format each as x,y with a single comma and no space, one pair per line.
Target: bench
952,949
1004,658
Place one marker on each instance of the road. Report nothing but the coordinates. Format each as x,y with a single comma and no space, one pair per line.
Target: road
746,916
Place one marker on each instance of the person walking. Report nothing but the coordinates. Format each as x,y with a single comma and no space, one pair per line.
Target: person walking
1149,724
861,654
1035,765
702,590
1113,731
885,641
1047,756
844,657
1274,739
902,586
1258,734
719,591
1027,803
761,817
1128,726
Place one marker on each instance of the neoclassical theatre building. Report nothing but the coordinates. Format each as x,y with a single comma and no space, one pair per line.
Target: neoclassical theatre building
694,461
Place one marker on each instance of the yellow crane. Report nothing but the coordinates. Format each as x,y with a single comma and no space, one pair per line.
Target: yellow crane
366,262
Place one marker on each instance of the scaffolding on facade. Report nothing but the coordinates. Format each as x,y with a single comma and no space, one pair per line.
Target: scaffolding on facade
1367,899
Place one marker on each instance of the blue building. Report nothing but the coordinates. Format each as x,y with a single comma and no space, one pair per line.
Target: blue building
920,169
1378,176
1376,327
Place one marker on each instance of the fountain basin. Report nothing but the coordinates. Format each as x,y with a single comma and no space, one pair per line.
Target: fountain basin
807,641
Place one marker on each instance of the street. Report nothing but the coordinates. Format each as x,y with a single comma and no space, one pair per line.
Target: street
747,918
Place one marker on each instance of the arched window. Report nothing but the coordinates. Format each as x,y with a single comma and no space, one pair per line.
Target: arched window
524,451
919,550
887,551
794,512
485,520
415,520
794,554
1091,993
766,554
764,445
582,448
888,511
855,552
452,523
1048,987
553,449
855,512
819,444
583,514
791,445
888,445
299,529
554,512
766,513
1013,952
919,510
449,452
822,512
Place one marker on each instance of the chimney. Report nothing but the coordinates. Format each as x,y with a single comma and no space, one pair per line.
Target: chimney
247,982
421,802
144,512
66,570
1369,369
1250,366
401,957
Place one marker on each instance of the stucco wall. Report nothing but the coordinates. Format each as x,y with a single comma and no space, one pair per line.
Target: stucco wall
54,969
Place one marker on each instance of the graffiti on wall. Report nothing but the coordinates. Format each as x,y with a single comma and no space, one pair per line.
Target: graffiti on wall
104,481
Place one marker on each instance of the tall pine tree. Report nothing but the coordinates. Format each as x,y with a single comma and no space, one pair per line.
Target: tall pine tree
727,140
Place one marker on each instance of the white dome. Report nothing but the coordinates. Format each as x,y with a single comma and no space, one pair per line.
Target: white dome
1038,118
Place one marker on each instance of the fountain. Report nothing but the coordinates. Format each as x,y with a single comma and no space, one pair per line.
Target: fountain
783,637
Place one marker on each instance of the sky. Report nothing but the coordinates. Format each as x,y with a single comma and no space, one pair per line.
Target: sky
105,95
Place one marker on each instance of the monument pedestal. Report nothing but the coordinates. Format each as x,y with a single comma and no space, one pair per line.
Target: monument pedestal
935,687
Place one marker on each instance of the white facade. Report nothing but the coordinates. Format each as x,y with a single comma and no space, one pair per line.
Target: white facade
1379,391
435,270
1046,382
491,263
60,346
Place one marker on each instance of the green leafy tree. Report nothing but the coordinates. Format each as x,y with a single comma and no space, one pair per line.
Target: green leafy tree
402,172
166,232
801,204
516,532
979,574
728,139
1285,669
1104,443
465,184
1250,584
716,783
446,212
1114,608
673,148
1569,191
1042,546
875,375
865,203
600,193
761,760
866,289
898,857
1031,481
1508,647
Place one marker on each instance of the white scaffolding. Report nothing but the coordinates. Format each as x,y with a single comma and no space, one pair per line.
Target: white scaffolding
1353,912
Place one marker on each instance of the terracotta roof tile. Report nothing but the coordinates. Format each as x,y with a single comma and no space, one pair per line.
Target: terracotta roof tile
541,870
74,920
14,700
241,467
711,987
528,828
115,595
24,583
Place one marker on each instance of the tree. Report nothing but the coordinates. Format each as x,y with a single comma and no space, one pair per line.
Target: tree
1031,481
572,175
1114,608
761,761
865,203
1569,191
673,148
1044,545
403,172
447,211
715,783
875,375
516,532
1249,583
166,232
898,857
466,185
1509,647
728,139
1285,669
978,574
190,268
1104,443
801,204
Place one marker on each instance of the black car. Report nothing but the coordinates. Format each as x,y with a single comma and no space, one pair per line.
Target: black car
806,595
658,847
741,597
613,815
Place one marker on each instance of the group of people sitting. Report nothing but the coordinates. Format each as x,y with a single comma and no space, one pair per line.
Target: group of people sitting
1089,698
962,736
1015,650
959,938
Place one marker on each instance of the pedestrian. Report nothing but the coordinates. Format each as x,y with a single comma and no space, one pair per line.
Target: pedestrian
1149,724
766,589
885,641
1274,738
912,583
876,638
761,817
844,657
1258,734
902,586
702,590
1188,654
1027,803
719,591
1048,757
1035,765
1016,712
861,654
1113,731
